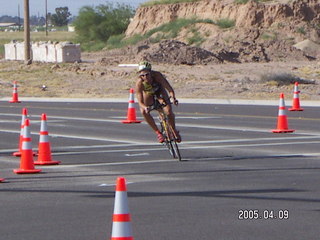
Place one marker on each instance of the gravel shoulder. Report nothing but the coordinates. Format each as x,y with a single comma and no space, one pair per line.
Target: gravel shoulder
95,78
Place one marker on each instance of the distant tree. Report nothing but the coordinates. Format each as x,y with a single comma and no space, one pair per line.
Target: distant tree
7,19
37,21
61,17
99,23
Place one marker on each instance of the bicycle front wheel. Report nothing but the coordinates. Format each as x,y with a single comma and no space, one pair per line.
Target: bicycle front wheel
176,150
171,148
170,140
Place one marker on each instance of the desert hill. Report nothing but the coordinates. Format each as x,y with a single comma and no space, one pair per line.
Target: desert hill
261,31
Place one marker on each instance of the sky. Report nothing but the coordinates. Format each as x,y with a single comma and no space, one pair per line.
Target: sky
37,7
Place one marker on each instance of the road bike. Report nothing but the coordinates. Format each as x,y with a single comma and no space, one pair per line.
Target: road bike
170,137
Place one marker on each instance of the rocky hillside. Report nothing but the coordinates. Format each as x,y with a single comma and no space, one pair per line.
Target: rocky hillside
261,32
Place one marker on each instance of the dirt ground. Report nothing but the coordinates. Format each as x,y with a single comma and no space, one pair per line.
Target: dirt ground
95,79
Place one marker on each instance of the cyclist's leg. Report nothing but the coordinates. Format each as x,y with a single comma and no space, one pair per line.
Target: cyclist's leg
168,111
148,101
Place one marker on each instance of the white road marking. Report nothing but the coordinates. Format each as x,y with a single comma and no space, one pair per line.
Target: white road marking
196,118
248,145
95,138
250,140
106,185
109,164
137,154
187,125
112,184
163,161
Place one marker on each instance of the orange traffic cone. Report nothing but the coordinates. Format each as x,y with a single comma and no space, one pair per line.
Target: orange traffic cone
15,93
26,163
131,114
24,116
121,226
44,152
282,126
296,101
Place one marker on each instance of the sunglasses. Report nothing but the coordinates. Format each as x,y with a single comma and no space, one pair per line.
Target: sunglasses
144,74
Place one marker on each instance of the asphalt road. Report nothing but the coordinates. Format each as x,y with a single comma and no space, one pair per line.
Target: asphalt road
237,180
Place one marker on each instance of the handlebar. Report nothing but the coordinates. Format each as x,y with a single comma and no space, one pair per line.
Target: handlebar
158,105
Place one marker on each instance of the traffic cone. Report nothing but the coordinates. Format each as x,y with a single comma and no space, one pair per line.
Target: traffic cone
282,126
44,150
296,101
24,116
26,162
131,114
121,226
15,93
2,180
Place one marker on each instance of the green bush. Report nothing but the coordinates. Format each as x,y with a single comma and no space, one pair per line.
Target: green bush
196,38
119,41
245,1
301,30
173,28
93,46
165,31
241,1
100,23
158,2
225,23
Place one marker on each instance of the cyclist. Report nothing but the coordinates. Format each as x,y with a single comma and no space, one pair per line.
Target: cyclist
152,86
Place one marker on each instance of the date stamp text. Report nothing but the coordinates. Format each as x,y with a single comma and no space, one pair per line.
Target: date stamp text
255,214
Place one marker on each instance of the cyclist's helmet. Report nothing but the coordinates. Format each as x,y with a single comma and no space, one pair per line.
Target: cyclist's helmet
144,66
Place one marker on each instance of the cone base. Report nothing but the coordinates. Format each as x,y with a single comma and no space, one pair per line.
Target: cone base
12,101
131,121
47,162
24,171
295,109
121,238
283,130
16,154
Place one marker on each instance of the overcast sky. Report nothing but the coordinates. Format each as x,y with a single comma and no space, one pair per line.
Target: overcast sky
37,7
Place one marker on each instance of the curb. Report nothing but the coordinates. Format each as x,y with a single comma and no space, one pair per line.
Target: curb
181,100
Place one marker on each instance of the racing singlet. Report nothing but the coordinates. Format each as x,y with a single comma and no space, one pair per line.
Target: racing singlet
150,89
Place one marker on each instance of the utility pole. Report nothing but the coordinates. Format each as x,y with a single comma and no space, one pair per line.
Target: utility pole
19,17
46,17
27,48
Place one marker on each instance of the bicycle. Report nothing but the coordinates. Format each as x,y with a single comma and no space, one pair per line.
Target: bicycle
170,137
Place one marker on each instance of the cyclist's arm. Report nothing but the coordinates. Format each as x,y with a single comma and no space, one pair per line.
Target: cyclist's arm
164,82
139,94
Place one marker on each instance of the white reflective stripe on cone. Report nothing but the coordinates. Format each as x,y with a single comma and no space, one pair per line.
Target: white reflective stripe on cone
131,105
282,112
121,229
281,103
26,145
44,126
44,138
121,205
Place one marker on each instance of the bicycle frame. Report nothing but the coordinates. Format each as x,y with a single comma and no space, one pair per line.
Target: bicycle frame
167,130
169,135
